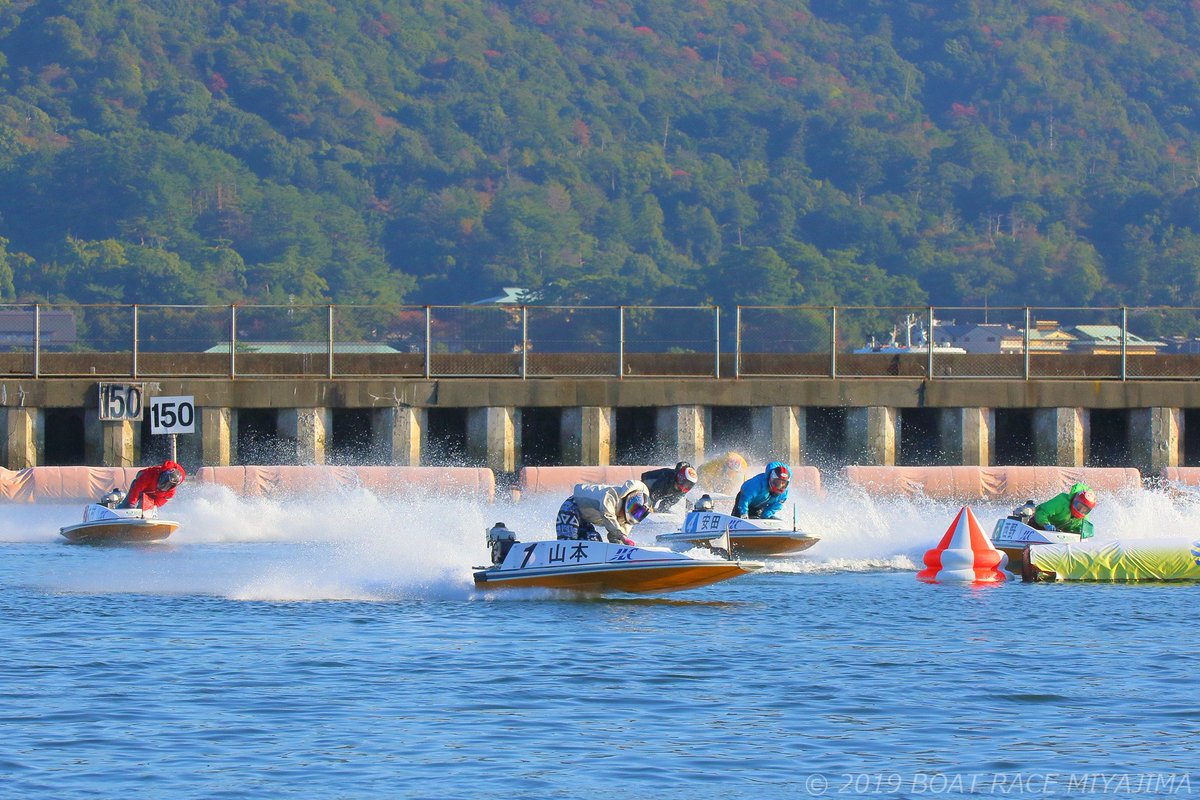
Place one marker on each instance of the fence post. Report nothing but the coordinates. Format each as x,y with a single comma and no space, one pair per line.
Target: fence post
135,340
1025,345
929,340
37,340
330,326
232,340
428,339
717,333
1124,342
833,342
524,341
737,342
621,342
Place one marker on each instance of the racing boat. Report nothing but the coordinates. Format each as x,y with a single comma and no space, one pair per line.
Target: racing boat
747,537
1013,534
597,567
1012,537
104,525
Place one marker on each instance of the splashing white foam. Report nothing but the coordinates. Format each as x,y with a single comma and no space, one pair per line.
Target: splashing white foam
359,546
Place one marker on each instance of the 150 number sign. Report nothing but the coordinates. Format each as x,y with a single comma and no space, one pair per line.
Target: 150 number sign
172,415
121,401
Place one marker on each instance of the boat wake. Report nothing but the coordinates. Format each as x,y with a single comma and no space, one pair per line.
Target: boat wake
359,546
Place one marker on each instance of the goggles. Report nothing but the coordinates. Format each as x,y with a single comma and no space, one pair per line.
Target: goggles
636,508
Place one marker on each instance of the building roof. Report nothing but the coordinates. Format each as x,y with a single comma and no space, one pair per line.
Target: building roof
1110,334
509,296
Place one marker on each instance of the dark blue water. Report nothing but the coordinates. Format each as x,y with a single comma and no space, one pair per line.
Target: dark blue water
271,651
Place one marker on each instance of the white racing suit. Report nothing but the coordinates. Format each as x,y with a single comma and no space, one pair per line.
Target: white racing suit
593,504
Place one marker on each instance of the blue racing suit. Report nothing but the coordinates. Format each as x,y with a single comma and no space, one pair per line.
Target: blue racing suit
755,500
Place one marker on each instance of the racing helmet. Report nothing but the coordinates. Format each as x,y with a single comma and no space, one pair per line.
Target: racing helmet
778,479
637,507
168,479
1082,503
685,477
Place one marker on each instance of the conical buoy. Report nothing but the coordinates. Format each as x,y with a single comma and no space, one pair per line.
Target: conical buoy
964,555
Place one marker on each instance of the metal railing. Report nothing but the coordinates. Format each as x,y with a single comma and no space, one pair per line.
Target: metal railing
508,341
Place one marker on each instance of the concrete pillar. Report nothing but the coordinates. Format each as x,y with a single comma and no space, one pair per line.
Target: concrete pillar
399,434
873,434
494,437
309,428
587,435
110,443
782,431
217,433
967,434
22,432
1156,438
1061,436
683,432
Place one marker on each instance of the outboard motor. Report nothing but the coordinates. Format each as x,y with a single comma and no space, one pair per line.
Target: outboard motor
1024,514
500,539
705,503
112,499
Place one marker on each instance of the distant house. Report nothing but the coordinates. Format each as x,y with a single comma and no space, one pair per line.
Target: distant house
1105,340
303,347
1045,337
981,338
57,328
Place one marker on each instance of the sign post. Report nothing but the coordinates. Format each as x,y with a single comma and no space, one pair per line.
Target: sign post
172,415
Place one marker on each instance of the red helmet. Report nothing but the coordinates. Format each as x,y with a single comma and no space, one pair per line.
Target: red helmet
779,479
1082,503
685,478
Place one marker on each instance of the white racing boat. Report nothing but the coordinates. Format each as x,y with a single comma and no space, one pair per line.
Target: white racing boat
747,537
104,525
1012,536
597,567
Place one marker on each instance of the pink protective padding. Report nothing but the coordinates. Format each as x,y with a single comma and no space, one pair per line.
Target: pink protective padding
988,483
562,480
1184,476
285,480
63,484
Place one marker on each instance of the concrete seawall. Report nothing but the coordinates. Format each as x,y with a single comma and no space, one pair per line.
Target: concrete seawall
504,423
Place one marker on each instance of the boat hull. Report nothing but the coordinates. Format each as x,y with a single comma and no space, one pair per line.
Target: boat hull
636,580
599,567
747,544
747,537
104,525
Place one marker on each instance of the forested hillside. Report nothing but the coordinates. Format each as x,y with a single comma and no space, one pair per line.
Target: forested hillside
774,152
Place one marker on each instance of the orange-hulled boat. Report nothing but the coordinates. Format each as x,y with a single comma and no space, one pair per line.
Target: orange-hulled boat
104,525
597,567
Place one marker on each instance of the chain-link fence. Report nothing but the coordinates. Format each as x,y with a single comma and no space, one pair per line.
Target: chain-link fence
669,341
101,344
509,341
570,341
978,343
18,324
184,340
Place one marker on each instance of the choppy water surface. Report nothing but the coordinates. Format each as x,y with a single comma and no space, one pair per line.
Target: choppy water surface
335,648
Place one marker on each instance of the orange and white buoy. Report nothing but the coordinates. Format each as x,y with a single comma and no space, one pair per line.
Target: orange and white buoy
964,555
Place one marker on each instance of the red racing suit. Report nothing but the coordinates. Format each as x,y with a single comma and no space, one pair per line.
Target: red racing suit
144,492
